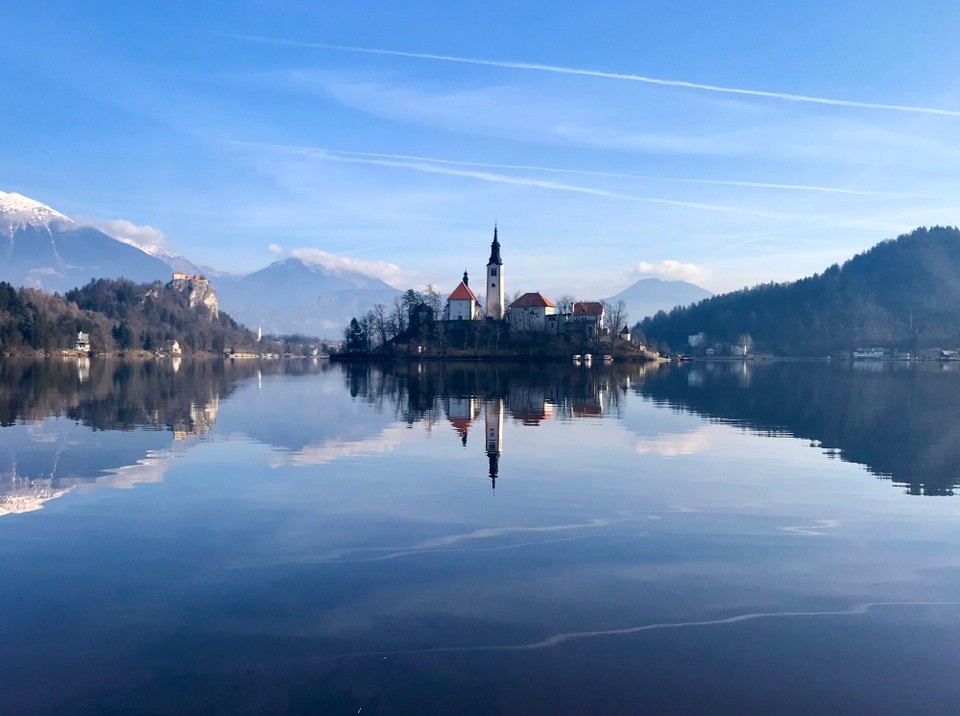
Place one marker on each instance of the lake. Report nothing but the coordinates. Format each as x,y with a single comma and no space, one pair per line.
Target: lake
183,537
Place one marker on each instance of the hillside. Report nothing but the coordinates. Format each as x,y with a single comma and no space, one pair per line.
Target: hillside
903,293
648,296
119,315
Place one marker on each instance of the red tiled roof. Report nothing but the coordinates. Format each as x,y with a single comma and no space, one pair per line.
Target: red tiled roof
462,293
533,300
587,308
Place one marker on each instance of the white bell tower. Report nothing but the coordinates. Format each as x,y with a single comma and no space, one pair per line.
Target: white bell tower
495,280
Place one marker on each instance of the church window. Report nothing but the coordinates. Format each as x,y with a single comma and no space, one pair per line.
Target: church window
493,272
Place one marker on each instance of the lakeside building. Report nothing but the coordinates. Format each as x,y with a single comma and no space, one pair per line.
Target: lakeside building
83,343
463,304
532,311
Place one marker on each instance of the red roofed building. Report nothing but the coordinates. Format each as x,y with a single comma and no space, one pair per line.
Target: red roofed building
463,304
589,312
530,311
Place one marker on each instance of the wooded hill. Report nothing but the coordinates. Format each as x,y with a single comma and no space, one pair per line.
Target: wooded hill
903,294
119,315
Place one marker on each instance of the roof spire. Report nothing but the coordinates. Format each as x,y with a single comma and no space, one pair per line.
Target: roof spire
495,259
466,279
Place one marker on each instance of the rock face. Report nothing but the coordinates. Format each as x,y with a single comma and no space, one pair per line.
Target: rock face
198,290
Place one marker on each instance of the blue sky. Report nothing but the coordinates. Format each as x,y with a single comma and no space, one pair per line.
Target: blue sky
787,136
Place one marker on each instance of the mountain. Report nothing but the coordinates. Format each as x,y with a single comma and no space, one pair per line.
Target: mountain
649,295
903,293
292,296
42,248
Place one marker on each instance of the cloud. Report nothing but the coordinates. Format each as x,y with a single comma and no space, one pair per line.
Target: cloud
142,237
446,170
683,84
594,173
275,249
337,265
670,269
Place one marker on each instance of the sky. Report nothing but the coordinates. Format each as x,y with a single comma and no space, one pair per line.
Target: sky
728,144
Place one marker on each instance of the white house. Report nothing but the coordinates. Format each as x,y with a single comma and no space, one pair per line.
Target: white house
83,342
463,304
530,311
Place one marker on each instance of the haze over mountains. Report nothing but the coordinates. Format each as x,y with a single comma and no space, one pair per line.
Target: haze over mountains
43,248
649,295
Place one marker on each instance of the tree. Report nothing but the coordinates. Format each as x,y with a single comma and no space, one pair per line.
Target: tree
353,335
745,342
565,303
617,317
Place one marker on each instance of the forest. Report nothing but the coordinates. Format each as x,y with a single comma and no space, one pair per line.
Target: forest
118,315
902,294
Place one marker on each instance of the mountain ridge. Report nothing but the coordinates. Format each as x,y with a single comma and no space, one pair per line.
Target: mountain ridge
901,294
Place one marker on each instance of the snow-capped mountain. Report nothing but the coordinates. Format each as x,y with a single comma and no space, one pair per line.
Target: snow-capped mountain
43,248
19,210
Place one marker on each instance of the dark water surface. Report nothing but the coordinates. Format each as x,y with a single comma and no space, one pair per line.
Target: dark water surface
728,538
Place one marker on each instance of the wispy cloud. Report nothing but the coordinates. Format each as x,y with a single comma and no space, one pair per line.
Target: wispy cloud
444,168
143,237
338,265
683,84
612,175
670,269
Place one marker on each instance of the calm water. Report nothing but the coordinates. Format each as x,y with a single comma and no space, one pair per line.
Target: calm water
196,538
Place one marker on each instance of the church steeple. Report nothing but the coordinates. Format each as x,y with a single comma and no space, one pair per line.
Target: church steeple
495,259
495,294
466,279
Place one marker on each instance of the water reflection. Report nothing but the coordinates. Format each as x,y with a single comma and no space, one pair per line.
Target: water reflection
78,424
75,424
896,419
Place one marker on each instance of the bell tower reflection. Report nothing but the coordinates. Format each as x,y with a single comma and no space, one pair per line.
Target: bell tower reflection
493,419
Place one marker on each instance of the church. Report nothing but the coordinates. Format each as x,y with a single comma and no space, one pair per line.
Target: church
463,304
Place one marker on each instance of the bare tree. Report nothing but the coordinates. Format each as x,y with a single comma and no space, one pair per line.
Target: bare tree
745,342
617,317
565,303
381,322
432,298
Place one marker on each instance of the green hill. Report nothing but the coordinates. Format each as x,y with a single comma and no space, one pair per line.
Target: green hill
118,315
903,294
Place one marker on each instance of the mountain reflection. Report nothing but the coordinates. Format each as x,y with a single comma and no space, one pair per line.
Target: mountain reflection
68,424
75,424
898,420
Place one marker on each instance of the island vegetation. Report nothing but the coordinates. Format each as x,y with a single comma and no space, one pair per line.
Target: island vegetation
414,326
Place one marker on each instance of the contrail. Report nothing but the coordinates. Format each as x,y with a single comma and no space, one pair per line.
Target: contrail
556,69
437,168
614,175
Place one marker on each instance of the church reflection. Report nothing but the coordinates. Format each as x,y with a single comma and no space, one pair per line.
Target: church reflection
527,396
